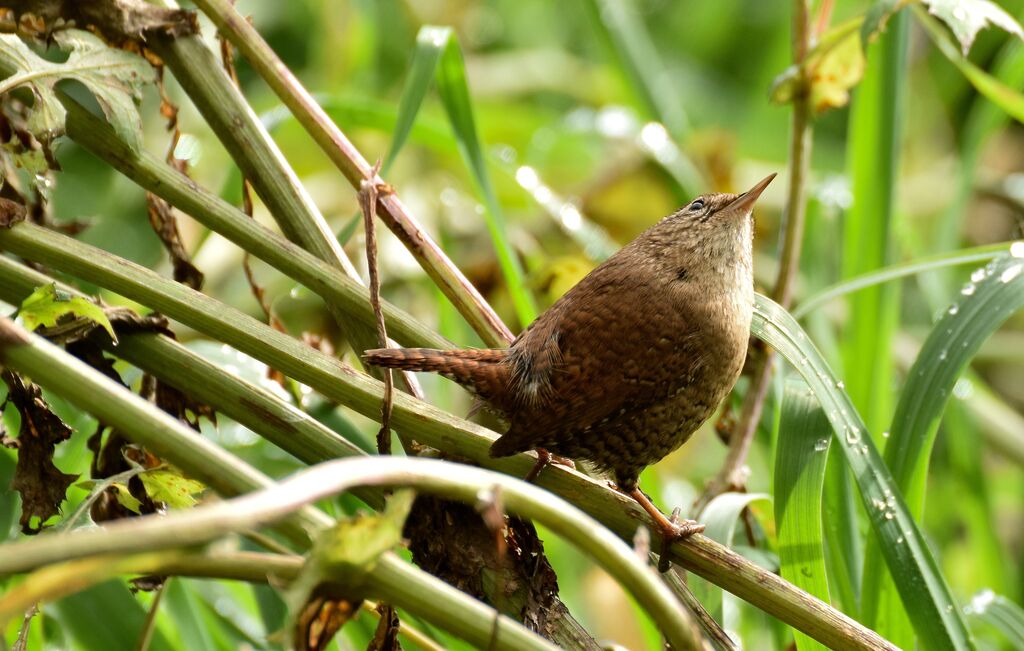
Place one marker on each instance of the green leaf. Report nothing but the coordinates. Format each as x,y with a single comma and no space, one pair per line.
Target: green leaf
800,462
985,302
454,93
993,293
720,517
343,554
115,77
1000,613
47,304
874,136
168,485
126,499
1003,96
829,71
924,592
897,271
968,17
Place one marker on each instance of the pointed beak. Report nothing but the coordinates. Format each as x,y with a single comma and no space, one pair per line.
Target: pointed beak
745,201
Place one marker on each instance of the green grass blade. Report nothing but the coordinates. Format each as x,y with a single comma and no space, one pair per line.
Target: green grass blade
902,270
1000,613
985,302
868,367
454,92
640,62
926,597
424,64
630,43
720,517
1003,96
991,296
800,463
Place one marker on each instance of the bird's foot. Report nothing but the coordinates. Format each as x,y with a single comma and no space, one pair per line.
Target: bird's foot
670,529
545,459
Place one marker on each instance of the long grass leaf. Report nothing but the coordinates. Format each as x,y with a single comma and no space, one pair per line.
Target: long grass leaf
800,461
1003,96
992,295
925,594
868,366
1000,613
902,270
454,93
417,83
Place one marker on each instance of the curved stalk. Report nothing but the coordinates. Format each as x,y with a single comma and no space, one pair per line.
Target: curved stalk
463,295
273,503
398,582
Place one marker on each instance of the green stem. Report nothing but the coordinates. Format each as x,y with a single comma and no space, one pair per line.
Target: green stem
431,426
143,423
355,168
155,176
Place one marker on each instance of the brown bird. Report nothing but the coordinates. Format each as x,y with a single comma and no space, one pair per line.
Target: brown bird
625,366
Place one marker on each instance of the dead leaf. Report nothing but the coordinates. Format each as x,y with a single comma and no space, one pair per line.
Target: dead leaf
117,20
164,223
385,638
41,484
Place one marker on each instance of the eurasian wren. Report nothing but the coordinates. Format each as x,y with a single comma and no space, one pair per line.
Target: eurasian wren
625,366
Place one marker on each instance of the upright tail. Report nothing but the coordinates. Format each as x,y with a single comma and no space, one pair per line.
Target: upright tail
482,370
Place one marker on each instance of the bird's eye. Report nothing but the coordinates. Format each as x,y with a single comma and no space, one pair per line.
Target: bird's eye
698,204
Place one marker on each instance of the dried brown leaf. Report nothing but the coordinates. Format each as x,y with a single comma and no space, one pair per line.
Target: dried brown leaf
41,484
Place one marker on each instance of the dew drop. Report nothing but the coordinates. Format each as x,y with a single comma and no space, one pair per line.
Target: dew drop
968,289
978,275
840,385
821,445
1017,249
953,309
885,434
943,355
1011,273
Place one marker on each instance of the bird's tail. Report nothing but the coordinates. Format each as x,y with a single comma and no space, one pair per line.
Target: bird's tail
482,370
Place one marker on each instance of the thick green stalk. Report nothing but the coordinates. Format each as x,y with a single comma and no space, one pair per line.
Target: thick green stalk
431,426
143,423
473,307
152,174
263,165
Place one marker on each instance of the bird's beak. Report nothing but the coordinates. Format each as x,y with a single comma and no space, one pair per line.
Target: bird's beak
745,202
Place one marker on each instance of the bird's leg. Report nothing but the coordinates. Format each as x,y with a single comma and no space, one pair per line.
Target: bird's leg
670,529
545,459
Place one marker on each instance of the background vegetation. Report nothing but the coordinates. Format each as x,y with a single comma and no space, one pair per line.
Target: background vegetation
584,123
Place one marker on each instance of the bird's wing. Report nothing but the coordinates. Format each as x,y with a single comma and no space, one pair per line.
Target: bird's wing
618,348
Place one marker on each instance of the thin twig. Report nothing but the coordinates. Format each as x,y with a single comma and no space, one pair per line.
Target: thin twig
730,476
149,626
227,59
369,189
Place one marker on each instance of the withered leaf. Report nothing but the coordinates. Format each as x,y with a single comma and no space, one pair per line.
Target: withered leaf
41,484
117,20
385,638
164,223
10,213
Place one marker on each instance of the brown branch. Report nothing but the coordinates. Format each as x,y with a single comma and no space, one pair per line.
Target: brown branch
731,476
369,190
